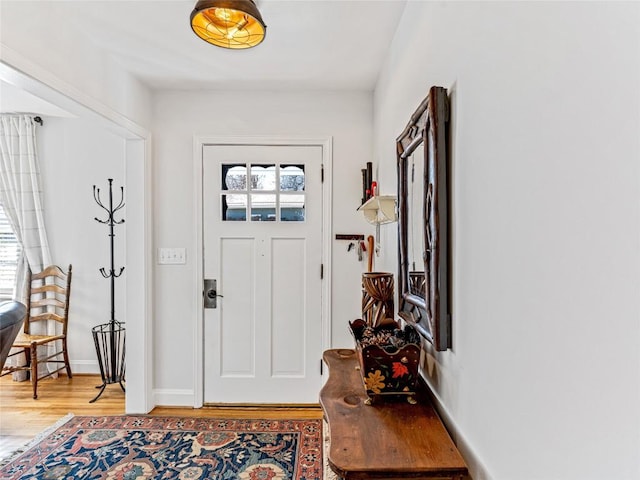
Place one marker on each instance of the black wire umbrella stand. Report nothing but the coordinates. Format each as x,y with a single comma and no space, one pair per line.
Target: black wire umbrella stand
109,338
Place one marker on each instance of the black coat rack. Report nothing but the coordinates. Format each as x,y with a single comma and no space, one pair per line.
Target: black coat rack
109,338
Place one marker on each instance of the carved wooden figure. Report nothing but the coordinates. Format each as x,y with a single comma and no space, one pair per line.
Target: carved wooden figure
377,298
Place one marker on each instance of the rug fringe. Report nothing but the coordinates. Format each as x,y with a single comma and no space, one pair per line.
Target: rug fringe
35,440
328,474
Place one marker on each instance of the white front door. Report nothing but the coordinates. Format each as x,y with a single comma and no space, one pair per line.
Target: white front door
262,227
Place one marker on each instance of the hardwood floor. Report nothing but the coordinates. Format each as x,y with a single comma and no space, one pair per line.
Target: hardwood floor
22,417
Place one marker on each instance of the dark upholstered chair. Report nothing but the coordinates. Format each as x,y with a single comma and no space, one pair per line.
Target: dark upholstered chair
12,315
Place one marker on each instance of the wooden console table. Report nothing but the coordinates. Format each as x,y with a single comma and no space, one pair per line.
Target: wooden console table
390,439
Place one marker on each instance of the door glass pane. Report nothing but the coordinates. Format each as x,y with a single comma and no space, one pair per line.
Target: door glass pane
263,177
234,177
292,208
263,208
234,207
292,178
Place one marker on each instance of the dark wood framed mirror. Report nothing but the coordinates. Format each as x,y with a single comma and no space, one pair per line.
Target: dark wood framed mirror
423,220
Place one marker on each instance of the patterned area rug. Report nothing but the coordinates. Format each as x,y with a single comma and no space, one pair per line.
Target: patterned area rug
142,447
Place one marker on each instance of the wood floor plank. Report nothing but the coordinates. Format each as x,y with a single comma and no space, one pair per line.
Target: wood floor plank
266,412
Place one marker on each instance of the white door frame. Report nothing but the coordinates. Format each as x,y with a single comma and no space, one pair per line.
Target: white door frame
199,141
20,71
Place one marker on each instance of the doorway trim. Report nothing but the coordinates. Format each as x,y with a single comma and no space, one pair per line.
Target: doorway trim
20,71
199,142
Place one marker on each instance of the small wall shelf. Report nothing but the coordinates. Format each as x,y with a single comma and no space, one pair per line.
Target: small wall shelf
380,209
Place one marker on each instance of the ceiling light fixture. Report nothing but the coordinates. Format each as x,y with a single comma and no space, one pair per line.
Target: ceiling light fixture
232,24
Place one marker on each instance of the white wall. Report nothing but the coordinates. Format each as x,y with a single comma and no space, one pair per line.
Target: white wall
347,117
68,59
543,381
75,155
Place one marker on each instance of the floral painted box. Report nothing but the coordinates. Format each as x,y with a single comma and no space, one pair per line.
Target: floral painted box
389,358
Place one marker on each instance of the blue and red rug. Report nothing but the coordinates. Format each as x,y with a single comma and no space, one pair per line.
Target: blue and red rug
142,447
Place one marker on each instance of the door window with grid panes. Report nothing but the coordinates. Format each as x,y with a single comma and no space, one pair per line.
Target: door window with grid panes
273,193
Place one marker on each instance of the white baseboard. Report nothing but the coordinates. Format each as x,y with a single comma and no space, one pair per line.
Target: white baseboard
88,367
477,470
173,397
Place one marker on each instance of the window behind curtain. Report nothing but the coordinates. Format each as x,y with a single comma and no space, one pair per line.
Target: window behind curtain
9,254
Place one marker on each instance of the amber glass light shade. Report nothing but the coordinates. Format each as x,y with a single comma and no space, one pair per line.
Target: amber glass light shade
233,24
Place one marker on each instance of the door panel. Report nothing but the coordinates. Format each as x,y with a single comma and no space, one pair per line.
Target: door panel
287,333
237,328
262,226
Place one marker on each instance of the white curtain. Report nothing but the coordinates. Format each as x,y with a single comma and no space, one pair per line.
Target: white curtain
21,197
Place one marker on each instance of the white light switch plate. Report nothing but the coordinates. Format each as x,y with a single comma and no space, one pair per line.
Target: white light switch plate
172,256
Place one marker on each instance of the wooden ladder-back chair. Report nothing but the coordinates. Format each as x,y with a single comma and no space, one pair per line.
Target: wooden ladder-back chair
47,299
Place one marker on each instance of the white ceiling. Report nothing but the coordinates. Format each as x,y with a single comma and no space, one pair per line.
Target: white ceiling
310,44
